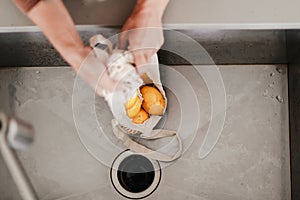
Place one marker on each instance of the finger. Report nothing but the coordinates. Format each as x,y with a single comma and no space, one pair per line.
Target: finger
123,39
139,59
148,54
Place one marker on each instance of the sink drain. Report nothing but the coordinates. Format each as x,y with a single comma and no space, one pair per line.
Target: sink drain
135,176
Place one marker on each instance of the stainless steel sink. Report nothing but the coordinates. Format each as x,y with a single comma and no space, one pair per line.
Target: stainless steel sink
252,159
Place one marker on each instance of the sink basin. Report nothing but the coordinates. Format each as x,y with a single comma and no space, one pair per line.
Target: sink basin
254,158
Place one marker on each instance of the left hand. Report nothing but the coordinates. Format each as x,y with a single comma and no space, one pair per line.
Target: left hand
143,31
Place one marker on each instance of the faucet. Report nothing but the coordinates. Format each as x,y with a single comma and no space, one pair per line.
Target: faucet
16,135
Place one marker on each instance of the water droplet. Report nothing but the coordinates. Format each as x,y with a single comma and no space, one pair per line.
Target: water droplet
265,93
272,74
37,72
33,90
17,101
271,85
279,99
279,70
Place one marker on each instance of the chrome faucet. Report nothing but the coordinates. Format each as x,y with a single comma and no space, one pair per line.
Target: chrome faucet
16,135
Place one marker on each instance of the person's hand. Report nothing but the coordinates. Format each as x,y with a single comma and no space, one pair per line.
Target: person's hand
108,74
143,30
93,70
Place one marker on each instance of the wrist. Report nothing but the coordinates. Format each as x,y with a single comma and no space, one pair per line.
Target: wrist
76,56
156,7
26,6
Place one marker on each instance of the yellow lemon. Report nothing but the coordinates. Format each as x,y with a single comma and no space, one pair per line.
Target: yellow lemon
134,109
153,103
140,117
132,101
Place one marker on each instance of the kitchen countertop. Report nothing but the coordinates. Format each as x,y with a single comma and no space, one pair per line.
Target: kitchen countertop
256,14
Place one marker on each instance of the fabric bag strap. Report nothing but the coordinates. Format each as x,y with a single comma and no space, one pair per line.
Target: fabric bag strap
139,148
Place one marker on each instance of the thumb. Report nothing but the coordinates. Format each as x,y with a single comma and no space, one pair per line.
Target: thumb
139,59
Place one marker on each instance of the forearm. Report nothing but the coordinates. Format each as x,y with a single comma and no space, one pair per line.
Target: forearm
157,6
25,5
56,23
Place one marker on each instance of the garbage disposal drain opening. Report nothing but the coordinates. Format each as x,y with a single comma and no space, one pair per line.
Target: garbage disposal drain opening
135,176
135,173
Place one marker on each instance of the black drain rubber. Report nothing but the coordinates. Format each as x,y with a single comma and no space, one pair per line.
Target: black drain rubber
135,176
135,173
